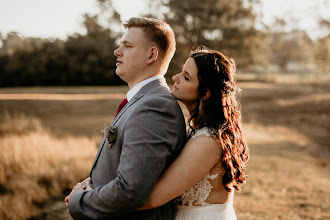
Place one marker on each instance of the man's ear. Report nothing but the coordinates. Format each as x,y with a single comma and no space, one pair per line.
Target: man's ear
207,94
153,55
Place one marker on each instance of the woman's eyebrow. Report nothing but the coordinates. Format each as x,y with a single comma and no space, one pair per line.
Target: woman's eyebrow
187,74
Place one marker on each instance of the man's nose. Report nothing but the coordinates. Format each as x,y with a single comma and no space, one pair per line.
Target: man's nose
117,52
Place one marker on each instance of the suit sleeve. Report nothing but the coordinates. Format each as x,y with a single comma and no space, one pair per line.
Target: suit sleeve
150,137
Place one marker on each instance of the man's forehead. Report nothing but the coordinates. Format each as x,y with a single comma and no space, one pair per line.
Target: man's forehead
125,38
132,34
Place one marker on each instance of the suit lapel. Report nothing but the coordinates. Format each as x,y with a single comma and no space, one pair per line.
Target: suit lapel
131,102
98,154
140,94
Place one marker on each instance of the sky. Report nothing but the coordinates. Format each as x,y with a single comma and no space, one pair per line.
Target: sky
59,18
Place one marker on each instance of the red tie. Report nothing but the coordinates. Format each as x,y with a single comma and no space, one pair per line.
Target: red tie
121,105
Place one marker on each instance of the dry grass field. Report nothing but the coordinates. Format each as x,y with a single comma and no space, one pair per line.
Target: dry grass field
49,137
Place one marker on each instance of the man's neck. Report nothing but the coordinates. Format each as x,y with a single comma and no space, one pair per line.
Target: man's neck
130,94
132,84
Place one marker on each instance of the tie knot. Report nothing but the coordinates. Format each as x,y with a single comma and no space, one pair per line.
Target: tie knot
121,105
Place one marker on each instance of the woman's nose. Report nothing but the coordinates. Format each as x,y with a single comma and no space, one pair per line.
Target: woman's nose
175,77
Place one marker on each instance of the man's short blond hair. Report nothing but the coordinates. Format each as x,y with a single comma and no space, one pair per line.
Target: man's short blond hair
158,32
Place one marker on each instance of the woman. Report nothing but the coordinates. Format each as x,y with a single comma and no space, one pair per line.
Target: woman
213,162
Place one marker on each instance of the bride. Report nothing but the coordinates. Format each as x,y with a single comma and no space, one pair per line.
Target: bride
211,166
213,162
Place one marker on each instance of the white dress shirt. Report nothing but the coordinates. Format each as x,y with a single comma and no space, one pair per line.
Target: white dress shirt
132,92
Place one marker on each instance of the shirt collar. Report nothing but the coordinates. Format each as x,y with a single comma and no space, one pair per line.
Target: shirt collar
132,92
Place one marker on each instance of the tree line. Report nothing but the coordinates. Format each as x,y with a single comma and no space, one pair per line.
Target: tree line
80,60
226,25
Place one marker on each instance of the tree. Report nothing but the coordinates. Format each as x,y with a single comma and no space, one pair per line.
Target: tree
325,24
14,42
91,56
109,18
290,47
83,59
226,25
322,48
322,54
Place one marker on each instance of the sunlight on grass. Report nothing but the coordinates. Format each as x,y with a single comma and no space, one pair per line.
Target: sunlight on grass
284,181
48,145
35,166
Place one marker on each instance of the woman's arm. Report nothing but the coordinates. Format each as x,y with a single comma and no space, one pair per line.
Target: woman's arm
197,158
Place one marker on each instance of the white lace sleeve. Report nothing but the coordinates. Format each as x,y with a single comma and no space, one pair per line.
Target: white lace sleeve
204,131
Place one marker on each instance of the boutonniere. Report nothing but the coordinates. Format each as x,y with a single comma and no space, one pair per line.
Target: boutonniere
110,133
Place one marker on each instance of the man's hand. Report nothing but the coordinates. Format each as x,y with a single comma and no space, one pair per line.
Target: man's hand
86,182
76,188
84,185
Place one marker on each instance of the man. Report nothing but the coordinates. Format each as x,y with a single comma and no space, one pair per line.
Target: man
150,131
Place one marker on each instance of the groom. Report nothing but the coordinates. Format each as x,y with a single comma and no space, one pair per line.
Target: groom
150,131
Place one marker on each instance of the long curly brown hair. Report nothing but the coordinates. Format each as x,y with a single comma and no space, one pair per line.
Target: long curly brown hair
222,112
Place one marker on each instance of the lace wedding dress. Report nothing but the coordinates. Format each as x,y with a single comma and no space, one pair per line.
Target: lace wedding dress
194,202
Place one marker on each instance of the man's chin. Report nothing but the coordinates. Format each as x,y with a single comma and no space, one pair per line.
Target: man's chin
118,73
121,75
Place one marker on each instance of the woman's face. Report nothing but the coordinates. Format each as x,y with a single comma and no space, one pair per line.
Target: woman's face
186,84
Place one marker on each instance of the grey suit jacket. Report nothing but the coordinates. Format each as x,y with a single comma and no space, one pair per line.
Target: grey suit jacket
151,134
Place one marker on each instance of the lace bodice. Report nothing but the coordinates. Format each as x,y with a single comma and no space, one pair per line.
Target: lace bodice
199,192
206,131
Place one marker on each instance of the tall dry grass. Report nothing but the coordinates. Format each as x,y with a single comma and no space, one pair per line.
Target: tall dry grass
35,166
286,125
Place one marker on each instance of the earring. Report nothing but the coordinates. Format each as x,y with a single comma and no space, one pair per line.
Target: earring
200,104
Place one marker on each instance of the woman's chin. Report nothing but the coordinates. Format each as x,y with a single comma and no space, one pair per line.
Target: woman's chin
173,93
